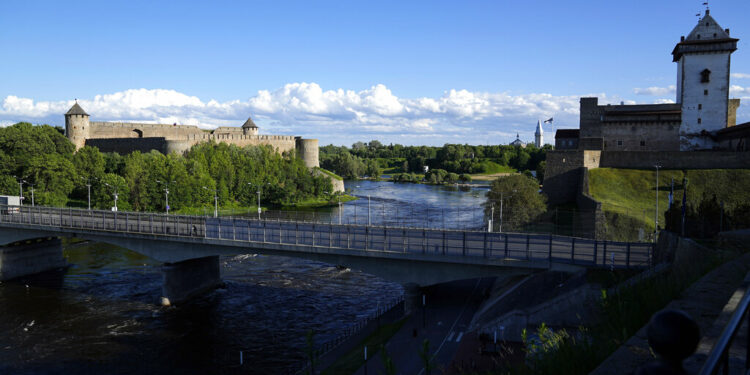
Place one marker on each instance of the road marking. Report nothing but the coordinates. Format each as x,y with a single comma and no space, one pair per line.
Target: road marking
450,337
459,336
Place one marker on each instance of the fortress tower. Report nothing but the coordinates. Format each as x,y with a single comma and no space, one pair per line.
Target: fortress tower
249,127
77,125
539,135
703,59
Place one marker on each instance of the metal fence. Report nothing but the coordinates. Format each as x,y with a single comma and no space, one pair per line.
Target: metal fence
386,239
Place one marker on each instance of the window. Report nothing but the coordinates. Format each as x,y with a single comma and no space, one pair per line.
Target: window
698,36
699,120
643,143
619,143
705,76
700,106
705,92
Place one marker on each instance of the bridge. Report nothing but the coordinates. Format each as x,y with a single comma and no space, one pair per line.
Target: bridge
190,246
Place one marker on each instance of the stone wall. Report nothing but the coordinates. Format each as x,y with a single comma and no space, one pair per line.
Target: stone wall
562,175
128,145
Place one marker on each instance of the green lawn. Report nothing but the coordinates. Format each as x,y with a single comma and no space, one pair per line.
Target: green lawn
628,196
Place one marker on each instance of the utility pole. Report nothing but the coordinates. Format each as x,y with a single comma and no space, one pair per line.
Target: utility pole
656,214
501,213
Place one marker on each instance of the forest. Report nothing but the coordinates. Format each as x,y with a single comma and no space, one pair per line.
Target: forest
41,159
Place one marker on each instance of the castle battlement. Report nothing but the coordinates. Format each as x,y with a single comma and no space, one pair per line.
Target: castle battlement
125,137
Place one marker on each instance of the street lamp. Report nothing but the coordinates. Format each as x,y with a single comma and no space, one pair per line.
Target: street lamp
88,187
501,210
340,211
20,187
216,202
258,186
166,193
115,194
492,216
656,214
32,194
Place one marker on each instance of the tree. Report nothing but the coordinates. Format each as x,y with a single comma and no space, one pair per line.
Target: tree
521,201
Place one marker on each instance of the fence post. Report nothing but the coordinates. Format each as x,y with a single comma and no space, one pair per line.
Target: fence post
367,237
264,231
463,250
549,256
627,256
424,241
573,250
330,235
596,243
506,244
296,232
347,236
444,249
484,245
604,254
313,234
403,233
528,240
126,221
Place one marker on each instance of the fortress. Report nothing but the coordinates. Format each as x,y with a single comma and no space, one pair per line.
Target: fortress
698,131
125,137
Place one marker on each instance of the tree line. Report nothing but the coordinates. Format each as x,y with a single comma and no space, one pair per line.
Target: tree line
366,159
43,159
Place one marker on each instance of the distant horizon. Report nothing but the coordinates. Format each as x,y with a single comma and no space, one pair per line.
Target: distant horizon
423,73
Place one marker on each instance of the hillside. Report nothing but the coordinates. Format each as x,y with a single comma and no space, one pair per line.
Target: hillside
628,195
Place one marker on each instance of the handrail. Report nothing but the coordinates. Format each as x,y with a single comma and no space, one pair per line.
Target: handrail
719,356
466,243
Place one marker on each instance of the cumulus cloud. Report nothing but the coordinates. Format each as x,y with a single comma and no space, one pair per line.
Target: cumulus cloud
738,90
333,116
655,90
740,75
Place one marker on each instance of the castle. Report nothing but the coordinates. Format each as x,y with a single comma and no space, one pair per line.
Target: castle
126,137
698,131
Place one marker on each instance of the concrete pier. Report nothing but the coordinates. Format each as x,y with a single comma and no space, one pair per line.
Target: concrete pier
189,278
412,298
30,257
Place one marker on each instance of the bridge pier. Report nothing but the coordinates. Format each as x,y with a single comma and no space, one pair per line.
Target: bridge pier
412,298
189,278
30,257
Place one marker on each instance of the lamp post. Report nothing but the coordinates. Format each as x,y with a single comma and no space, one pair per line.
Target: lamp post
492,216
340,211
166,194
368,210
114,194
216,202
258,186
32,194
88,188
656,214
20,187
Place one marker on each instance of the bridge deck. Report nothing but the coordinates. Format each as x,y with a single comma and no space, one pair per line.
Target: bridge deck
453,244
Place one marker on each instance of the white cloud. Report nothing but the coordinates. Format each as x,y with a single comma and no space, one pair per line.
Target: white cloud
664,101
333,116
655,91
738,90
740,75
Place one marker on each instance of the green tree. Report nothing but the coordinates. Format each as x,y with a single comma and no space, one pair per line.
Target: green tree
521,200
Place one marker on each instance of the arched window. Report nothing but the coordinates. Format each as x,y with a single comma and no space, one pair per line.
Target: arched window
705,76
137,133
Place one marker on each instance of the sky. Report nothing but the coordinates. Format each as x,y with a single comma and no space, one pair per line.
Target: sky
408,72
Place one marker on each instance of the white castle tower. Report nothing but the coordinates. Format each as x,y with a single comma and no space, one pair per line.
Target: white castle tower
703,59
539,135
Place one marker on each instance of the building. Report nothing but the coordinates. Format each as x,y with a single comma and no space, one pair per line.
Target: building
518,142
698,131
125,137
539,135
702,108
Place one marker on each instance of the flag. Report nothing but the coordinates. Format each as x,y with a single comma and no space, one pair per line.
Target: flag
671,194
548,120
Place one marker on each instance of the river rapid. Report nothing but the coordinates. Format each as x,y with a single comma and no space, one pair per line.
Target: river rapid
100,316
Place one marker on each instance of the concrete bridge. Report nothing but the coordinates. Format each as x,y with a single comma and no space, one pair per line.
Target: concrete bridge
190,246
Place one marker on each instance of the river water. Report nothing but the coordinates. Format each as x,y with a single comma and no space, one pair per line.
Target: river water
100,316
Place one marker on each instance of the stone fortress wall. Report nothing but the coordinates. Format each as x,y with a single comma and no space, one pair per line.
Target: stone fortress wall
125,137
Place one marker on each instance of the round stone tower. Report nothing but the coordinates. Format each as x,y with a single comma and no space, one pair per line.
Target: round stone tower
77,125
249,127
307,150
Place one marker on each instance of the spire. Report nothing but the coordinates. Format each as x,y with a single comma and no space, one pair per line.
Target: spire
539,128
76,110
249,124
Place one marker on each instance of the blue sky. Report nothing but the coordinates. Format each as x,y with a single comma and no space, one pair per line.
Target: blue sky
409,72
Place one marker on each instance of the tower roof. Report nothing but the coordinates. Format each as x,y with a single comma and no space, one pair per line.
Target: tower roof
249,124
707,36
76,110
539,127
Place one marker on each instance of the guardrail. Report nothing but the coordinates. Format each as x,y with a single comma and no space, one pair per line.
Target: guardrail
440,242
718,359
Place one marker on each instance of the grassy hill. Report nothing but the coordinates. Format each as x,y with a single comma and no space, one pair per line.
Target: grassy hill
628,196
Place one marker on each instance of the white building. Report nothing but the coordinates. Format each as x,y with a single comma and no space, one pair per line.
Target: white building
539,135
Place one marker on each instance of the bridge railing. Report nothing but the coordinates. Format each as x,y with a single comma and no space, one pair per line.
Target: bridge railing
426,241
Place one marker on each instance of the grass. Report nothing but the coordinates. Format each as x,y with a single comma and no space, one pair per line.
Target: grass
628,196
320,202
490,167
354,359
330,174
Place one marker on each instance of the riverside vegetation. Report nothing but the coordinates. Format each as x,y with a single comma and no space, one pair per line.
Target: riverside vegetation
44,159
406,163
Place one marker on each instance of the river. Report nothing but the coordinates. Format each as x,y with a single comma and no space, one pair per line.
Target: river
100,316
